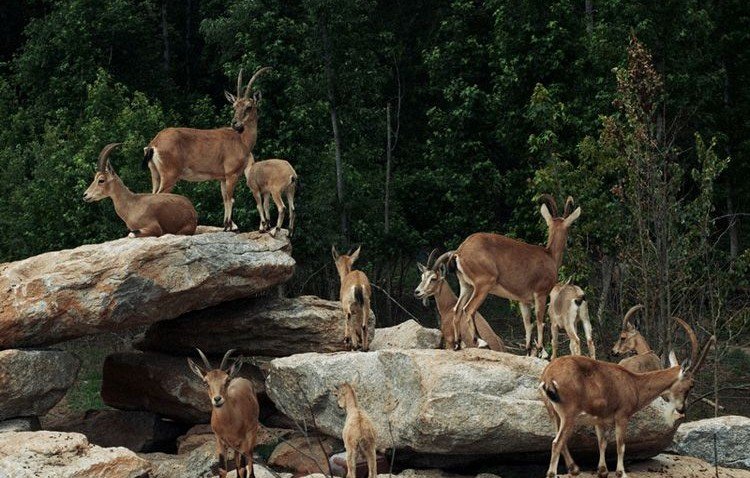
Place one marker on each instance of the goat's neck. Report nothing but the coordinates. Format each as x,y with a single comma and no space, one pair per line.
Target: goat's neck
350,404
652,384
250,131
122,197
641,346
445,299
556,244
343,271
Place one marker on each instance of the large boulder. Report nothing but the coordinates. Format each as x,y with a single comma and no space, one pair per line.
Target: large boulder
33,381
129,282
161,384
444,407
304,454
406,335
65,455
267,326
728,436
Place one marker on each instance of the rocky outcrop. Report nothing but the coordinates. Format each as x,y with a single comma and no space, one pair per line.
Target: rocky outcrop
26,424
65,455
33,381
729,436
444,405
406,335
270,327
129,282
674,466
161,384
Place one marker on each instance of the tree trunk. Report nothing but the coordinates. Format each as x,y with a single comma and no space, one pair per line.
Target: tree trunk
386,218
608,265
165,35
188,53
589,16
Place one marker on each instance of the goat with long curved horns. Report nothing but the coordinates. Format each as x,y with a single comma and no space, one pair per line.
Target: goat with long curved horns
144,214
234,414
206,154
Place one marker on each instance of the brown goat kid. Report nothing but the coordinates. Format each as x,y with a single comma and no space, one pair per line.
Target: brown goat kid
631,340
205,154
493,264
270,179
434,284
358,434
576,385
144,214
567,307
355,294
234,415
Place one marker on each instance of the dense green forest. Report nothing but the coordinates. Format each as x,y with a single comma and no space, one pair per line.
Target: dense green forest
454,116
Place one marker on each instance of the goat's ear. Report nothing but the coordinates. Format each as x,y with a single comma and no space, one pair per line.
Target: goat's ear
196,368
443,270
685,365
546,215
234,369
230,97
355,256
334,253
257,97
573,216
672,359
422,269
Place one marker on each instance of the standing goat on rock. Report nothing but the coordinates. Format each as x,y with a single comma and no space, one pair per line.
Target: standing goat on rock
358,433
204,154
355,294
493,264
434,284
144,214
272,178
567,306
234,417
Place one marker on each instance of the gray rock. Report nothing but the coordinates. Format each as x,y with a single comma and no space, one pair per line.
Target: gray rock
445,406
65,455
33,381
732,434
406,335
25,424
268,326
130,282
161,384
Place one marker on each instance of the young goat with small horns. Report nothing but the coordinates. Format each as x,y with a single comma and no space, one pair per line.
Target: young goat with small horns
144,214
574,385
270,179
234,415
355,293
358,433
567,307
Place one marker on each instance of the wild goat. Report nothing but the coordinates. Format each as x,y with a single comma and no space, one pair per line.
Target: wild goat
434,284
358,433
272,178
576,385
234,417
144,214
493,264
355,293
568,306
205,154
631,340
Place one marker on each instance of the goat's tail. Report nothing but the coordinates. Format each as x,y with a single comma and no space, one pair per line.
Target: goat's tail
359,295
550,389
148,154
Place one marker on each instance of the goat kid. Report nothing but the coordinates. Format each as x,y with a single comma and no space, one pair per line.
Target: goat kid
234,415
631,340
205,154
358,434
355,294
567,307
270,179
494,264
144,214
434,284
576,385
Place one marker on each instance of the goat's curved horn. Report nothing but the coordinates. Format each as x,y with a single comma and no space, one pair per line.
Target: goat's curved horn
692,337
431,256
101,163
226,357
205,360
255,77
630,312
239,84
551,203
569,203
443,259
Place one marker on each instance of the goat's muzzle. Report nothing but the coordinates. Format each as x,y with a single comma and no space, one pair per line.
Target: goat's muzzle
218,401
87,198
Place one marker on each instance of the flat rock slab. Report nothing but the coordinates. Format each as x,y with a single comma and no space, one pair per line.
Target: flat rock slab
129,282
406,335
266,326
65,455
443,404
33,381
161,384
730,434
673,466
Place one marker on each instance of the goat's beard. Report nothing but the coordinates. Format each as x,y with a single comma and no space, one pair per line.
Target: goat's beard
425,301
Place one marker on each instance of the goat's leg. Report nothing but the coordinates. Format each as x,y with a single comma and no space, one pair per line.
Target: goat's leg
167,180
154,177
231,182
351,460
372,461
267,209
227,208
152,230
467,289
221,450
540,303
554,331
259,205
365,312
280,209
290,191
563,433
470,309
621,426
526,314
347,332
601,438
570,328
239,464
583,313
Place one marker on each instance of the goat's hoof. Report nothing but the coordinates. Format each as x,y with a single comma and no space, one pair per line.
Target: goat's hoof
274,231
602,472
551,474
621,474
573,470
